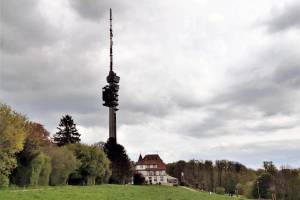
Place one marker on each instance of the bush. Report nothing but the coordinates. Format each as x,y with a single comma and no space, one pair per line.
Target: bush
4,181
33,169
220,190
45,172
94,165
63,164
247,188
36,168
138,179
239,189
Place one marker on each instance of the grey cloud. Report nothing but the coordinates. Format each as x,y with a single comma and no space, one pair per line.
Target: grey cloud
287,19
95,9
272,127
23,27
54,73
288,74
210,127
270,86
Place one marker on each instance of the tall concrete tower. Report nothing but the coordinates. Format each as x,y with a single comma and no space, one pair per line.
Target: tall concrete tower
110,91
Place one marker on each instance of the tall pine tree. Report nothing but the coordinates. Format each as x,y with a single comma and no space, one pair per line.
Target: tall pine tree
67,133
119,162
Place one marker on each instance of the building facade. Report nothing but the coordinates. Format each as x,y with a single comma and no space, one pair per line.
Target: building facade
153,169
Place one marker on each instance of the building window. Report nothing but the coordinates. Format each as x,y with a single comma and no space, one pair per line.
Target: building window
155,178
161,178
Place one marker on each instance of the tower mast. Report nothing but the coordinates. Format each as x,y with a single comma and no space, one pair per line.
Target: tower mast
110,91
111,42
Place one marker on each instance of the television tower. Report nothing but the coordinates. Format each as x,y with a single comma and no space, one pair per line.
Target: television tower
110,91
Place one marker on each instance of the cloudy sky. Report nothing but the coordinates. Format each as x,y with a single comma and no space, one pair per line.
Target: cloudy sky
202,79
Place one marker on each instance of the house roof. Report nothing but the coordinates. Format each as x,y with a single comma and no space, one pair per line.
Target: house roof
152,159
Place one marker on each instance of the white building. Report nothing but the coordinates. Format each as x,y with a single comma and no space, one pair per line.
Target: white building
154,170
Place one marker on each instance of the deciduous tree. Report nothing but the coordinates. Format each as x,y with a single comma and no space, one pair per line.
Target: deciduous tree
12,135
94,164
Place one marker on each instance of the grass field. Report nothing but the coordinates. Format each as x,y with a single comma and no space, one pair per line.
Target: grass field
109,192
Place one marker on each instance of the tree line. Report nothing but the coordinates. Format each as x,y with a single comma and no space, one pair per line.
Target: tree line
30,157
233,178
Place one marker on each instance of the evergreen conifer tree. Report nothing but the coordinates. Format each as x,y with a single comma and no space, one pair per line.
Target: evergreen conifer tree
67,133
120,163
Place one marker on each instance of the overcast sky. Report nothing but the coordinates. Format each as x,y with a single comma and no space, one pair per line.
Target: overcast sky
202,79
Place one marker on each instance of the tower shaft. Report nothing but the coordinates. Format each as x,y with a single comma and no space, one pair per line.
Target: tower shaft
112,123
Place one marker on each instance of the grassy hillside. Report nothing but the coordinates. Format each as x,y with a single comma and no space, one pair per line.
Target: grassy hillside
108,192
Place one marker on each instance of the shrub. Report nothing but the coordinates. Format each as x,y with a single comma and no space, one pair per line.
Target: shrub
247,188
138,179
239,189
45,172
4,181
33,169
220,190
36,168
63,164
94,165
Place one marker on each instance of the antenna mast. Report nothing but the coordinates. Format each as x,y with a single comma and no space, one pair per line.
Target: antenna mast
111,42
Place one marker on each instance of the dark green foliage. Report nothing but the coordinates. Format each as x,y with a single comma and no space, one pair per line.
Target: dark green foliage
67,133
35,171
176,170
63,164
120,163
4,181
230,184
93,165
44,176
269,167
36,167
220,166
204,175
209,168
261,186
287,183
138,179
33,164
220,190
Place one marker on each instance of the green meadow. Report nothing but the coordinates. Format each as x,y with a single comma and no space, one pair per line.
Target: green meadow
108,192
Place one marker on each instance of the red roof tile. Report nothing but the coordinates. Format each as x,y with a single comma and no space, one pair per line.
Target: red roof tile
152,159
